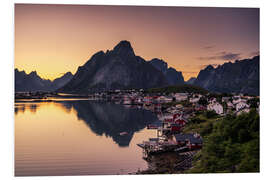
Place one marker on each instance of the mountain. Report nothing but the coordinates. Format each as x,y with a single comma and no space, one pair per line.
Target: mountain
191,80
61,81
33,82
173,77
30,82
119,68
239,77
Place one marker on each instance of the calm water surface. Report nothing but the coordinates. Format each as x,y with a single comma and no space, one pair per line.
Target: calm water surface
79,138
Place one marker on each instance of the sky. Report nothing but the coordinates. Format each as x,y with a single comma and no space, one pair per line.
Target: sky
54,39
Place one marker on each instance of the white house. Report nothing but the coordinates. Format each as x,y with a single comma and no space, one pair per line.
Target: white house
230,105
181,96
164,99
194,100
218,108
241,105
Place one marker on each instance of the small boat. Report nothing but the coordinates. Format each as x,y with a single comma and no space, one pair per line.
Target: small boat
123,133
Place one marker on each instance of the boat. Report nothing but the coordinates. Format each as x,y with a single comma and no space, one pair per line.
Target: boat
123,133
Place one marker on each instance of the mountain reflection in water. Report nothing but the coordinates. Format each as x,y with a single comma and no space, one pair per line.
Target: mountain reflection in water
79,137
111,119
102,118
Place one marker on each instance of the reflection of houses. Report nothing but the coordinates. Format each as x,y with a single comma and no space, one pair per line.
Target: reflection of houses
147,100
127,100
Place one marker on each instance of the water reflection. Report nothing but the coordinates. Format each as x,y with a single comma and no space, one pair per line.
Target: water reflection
20,108
102,118
111,119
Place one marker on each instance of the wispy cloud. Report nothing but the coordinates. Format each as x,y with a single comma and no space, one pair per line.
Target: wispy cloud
222,56
208,47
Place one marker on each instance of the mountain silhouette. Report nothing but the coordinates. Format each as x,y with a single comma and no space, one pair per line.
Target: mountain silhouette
33,82
119,68
239,77
191,80
173,77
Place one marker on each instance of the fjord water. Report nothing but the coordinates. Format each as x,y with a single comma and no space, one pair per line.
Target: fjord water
79,137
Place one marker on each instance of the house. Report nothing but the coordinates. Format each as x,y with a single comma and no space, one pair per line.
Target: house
200,108
238,99
180,96
218,108
241,105
230,105
179,106
192,141
194,100
164,99
175,128
226,99
182,122
155,125
212,100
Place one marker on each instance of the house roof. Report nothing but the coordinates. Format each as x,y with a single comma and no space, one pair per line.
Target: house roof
190,137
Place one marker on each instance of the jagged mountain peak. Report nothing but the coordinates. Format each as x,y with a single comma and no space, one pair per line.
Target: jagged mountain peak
124,48
209,68
173,77
68,74
239,77
33,82
119,68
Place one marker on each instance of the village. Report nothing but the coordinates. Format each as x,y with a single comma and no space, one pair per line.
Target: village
174,111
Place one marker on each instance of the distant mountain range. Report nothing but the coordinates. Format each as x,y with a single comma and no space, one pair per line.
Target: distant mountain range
120,68
33,82
240,77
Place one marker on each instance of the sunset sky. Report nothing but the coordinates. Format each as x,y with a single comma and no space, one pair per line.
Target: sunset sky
54,39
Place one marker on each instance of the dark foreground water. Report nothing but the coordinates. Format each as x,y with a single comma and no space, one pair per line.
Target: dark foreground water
79,137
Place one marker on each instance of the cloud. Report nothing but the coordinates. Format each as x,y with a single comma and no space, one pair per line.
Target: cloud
208,47
222,56
229,56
